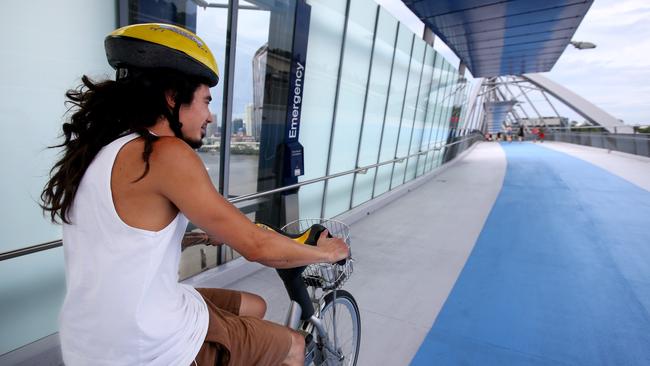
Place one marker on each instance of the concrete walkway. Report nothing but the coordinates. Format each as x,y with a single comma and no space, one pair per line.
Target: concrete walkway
633,168
408,256
560,273
411,253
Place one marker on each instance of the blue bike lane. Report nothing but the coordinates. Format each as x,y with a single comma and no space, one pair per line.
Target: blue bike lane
560,274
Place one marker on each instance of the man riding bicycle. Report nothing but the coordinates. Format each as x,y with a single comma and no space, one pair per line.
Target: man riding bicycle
125,187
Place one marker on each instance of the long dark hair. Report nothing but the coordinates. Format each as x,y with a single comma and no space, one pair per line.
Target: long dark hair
102,112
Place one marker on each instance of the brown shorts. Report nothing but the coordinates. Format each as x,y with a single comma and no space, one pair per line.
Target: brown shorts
239,340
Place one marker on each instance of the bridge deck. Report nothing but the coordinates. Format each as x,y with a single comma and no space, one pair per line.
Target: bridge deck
517,254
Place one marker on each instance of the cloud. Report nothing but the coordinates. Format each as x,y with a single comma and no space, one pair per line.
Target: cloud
618,13
615,75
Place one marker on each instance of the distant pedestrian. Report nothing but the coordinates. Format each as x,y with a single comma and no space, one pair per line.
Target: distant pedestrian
541,135
535,132
520,133
509,133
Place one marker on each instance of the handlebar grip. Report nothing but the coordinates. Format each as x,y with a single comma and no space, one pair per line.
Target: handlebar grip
314,234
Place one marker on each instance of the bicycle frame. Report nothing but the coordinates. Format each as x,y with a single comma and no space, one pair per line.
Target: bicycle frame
312,287
294,322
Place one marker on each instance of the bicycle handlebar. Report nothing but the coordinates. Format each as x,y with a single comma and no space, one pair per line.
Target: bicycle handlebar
309,236
292,277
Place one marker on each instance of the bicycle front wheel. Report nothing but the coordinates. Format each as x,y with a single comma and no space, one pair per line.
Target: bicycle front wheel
342,321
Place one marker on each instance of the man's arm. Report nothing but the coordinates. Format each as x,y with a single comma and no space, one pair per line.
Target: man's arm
197,237
181,177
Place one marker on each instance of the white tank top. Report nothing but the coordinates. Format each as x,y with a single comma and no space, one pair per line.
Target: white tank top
124,305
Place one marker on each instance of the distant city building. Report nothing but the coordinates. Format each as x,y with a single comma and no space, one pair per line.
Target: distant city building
581,124
545,122
237,126
248,118
259,74
214,129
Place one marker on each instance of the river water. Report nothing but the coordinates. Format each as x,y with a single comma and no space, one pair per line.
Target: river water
243,172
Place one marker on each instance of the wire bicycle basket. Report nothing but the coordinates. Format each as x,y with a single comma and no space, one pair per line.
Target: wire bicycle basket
324,275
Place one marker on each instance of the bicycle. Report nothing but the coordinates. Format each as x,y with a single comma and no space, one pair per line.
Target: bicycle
327,316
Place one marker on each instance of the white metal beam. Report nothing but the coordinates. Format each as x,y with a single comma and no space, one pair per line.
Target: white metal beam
583,107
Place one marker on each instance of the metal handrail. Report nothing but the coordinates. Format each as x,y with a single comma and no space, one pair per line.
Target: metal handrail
57,243
331,176
622,136
575,131
29,250
605,131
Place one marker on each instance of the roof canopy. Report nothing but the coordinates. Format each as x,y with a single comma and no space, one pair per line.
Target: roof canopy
507,37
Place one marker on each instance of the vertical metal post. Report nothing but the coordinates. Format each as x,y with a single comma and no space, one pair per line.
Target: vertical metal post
401,114
288,32
426,114
383,123
428,36
415,115
439,98
365,103
470,115
513,96
229,82
336,102
549,103
445,95
478,103
445,118
480,116
513,111
122,13
451,97
530,103
433,111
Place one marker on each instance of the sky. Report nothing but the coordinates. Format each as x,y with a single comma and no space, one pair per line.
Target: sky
615,75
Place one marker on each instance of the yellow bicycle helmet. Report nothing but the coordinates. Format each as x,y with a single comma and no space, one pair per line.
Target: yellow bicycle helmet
155,45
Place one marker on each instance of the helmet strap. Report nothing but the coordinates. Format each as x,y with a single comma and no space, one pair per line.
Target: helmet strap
121,73
175,123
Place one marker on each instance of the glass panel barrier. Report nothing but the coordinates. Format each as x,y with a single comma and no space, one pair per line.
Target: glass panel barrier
438,82
248,96
321,72
38,68
394,110
408,113
350,104
211,26
441,138
438,122
445,118
429,110
380,76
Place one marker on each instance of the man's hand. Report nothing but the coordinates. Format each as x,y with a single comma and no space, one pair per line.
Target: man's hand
334,247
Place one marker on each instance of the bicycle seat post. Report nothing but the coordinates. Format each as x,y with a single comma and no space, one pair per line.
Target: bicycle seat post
293,315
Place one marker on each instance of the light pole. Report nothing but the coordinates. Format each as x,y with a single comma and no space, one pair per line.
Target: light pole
582,45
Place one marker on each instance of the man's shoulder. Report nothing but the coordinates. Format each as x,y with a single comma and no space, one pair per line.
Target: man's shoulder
169,146
172,153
